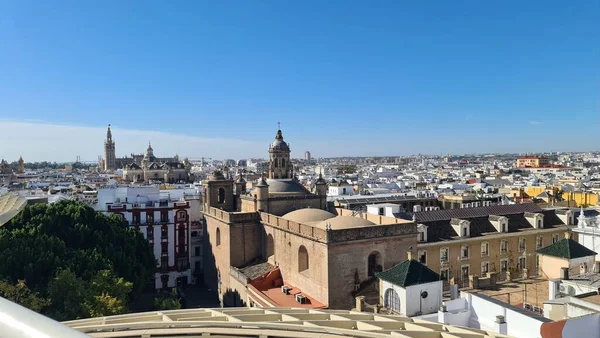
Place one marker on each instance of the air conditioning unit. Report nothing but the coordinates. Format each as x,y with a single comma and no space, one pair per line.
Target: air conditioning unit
286,289
562,289
301,299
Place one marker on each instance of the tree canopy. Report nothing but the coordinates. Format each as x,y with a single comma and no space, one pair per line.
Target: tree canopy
78,262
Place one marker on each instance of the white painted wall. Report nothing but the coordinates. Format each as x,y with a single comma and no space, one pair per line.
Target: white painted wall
478,312
414,302
590,241
410,299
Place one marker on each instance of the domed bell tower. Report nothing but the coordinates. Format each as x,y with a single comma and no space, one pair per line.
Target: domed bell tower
279,158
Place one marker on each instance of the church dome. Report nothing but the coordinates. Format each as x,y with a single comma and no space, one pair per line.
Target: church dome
279,143
308,215
345,222
286,187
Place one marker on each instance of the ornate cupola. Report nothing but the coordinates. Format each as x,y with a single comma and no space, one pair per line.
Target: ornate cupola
279,158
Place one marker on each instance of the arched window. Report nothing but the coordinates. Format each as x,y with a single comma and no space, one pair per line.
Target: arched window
283,162
374,264
218,237
221,196
302,259
181,215
270,246
391,300
276,162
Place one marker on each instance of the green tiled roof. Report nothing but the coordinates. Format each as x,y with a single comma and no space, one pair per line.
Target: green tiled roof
407,273
566,248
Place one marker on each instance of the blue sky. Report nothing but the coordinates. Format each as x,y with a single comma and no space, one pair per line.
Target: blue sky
343,77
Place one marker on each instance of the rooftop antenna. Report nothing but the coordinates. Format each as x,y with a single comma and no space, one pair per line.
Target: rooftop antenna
279,125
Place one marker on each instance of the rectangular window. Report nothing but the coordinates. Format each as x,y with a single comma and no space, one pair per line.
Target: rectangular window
197,251
444,275
464,252
423,257
164,217
540,242
485,268
504,265
485,249
444,255
135,218
521,265
164,247
150,218
164,232
421,236
522,245
465,272
150,233
164,263
503,246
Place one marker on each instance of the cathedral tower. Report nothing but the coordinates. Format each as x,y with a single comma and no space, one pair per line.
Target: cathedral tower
21,165
110,160
279,158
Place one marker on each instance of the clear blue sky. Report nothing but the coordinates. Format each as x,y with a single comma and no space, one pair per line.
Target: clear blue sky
402,77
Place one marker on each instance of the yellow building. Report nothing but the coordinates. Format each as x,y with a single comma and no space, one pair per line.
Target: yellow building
571,199
503,238
532,162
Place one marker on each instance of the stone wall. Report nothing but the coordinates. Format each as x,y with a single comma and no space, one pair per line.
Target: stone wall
346,259
313,281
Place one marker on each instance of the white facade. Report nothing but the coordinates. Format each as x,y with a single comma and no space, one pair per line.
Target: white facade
164,222
588,231
480,312
410,300
383,209
342,189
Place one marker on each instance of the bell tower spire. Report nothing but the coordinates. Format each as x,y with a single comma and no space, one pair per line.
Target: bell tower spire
279,157
110,160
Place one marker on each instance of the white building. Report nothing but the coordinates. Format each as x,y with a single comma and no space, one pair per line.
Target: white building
588,230
383,209
340,188
164,222
410,289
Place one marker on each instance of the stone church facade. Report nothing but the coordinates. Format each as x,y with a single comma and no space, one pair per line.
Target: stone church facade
145,168
280,226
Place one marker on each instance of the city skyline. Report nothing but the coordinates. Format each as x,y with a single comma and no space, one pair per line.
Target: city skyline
46,144
344,78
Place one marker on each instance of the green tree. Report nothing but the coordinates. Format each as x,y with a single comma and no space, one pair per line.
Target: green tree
21,294
68,295
171,302
85,263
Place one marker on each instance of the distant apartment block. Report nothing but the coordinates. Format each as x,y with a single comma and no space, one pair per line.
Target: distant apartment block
532,162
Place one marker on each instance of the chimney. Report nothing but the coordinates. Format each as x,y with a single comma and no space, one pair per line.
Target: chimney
564,273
